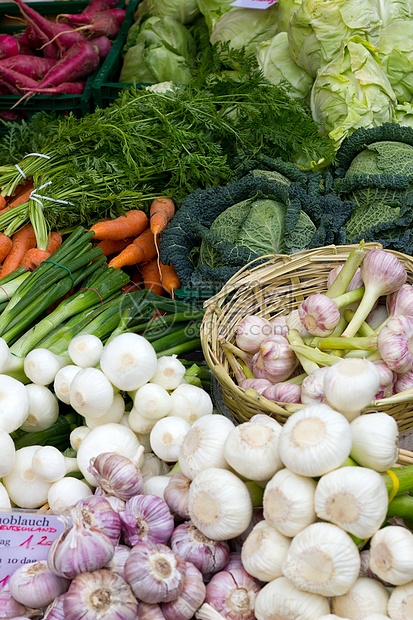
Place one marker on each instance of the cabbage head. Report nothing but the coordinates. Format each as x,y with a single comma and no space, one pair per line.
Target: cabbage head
212,10
318,28
184,11
285,10
257,224
245,27
391,10
352,91
278,65
396,56
158,49
404,114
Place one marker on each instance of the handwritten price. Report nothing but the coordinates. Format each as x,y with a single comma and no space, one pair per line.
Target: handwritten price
43,541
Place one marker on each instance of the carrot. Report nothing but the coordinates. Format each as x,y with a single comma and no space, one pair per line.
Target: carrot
109,246
3,202
131,224
20,198
169,278
55,241
5,246
22,240
33,258
142,249
161,212
151,279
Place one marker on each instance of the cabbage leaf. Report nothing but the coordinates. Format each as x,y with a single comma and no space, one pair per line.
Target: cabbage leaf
396,56
245,27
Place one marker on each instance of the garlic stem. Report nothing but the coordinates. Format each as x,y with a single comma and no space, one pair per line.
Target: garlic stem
404,477
228,346
382,274
235,366
315,355
367,343
348,271
402,507
294,339
364,329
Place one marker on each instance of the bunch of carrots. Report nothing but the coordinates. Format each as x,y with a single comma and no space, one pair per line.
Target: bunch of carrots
132,240
20,249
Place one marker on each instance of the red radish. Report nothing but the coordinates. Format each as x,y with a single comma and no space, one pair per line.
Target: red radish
87,18
8,46
67,88
8,115
34,67
30,37
24,45
103,44
94,6
16,82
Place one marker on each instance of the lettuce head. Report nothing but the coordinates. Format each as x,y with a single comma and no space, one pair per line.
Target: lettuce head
245,27
285,10
318,28
278,66
212,10
352,91
184,11
390,10
396,56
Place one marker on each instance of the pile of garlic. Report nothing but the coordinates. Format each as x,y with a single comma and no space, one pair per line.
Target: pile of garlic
366,313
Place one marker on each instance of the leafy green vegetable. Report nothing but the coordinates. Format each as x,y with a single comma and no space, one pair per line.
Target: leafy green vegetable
286,8
245,27
395,51
374,169
352,91
392,10
217,231
157,50
318,28
184,11
278,66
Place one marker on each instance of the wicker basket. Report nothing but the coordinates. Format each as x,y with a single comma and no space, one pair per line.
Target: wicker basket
274,288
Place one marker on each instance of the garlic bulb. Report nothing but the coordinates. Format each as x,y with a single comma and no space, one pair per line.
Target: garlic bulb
350,385
322,559
391,552
155,573
289,502
315,440
354,498
293,321
275,359
312,387
55,610
96,512
209,556
146,611
166,437
146,518
190,599
375,441
400,602
366,596
156,485
79,549
319,315
9,607
262,418
233,594
99,594
152,466
203,445
403,382
281,600
264,551
152,401
259,385
118,561
34,585
284,392
394,343
332,617
251,332
252,451
176,494
190,402
387,380
117,475
169,372
213,494
355,282
401,301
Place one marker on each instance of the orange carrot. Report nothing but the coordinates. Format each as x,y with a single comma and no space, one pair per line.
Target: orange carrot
3,202
169,278
33,258
21,197
150,274
131,224
5,246
161,212
55,241
22,240
142,249
109,246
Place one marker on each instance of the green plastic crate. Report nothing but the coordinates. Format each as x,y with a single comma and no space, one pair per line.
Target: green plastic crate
106,87
79,105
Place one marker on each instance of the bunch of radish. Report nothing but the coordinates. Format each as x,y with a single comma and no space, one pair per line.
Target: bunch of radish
57,57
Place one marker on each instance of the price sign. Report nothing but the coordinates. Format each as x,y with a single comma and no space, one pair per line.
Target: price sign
25,538
253,4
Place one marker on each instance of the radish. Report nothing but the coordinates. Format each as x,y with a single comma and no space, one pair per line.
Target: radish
30,37
8,46
97,6
67,88
34,67
87,18
103,44
24,45
15,81
8,115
